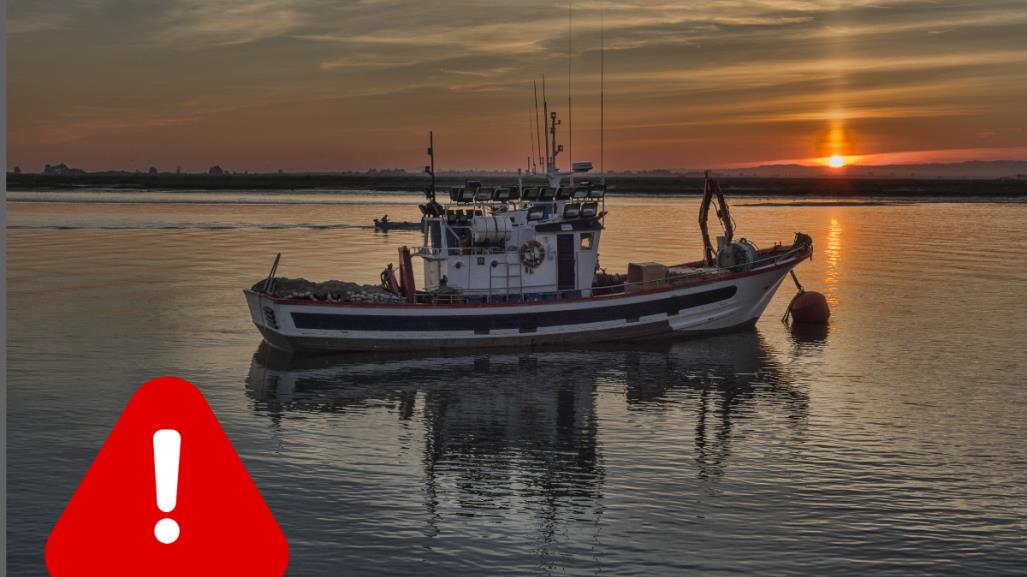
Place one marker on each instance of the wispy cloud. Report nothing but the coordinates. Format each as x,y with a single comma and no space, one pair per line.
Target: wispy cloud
363,62
192,23
37,23
782,71
752,78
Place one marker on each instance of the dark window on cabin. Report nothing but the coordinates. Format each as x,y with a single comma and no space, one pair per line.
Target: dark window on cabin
436,234
565,272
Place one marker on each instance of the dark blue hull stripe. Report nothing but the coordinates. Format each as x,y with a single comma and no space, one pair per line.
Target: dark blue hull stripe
492,320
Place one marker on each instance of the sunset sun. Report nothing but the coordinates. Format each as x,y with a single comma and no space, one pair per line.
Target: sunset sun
836,161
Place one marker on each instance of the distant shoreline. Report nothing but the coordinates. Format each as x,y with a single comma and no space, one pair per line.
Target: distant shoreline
663,185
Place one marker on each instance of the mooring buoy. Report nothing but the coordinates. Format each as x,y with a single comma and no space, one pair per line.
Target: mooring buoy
807,306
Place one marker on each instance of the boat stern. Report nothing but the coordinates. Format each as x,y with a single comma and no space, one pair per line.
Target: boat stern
264,314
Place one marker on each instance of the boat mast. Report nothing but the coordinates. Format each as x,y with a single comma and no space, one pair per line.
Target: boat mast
554,173
552,149
430,169
552,131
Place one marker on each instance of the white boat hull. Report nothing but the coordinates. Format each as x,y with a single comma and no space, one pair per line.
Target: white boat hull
716,305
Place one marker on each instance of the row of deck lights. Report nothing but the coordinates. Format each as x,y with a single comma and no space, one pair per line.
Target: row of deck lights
570,211
470,194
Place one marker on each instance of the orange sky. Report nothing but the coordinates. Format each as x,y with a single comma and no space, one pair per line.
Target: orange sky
312,85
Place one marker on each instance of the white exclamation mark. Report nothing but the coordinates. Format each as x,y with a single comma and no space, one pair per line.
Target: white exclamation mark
167,447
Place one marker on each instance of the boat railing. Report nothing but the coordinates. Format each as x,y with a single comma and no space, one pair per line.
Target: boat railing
430,251
525,294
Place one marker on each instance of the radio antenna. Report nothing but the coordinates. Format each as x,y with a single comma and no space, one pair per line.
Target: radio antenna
531,141
538,125
602,93
570,111
545,112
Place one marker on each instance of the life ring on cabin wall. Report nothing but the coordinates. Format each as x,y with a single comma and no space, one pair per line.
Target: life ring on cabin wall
532,253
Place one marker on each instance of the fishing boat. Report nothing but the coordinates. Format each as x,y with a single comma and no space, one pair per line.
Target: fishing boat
518,266
383,224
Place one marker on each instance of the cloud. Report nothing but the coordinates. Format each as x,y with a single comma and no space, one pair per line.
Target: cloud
784,71
198,23
363,62
678,72
37,23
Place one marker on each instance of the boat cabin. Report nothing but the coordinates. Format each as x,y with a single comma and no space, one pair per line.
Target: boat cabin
498,244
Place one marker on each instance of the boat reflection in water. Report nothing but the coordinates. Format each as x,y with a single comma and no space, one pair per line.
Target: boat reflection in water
491,422
518,432
723,379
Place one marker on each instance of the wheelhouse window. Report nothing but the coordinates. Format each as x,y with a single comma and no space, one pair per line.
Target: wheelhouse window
586,241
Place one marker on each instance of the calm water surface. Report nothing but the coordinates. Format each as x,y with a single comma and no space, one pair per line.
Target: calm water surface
894,443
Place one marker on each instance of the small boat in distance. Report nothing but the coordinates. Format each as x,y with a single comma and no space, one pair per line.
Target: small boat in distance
385,225
518,266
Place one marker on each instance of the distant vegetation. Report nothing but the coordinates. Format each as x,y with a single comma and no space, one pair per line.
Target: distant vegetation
981,178
59,170
838,186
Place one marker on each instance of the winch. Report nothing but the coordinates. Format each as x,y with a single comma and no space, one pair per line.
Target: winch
735,255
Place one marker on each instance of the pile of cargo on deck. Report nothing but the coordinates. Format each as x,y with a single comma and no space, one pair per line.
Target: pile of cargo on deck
330,291
643,276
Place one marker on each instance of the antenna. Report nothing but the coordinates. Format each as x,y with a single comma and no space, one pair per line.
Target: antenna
602,94
570,111
538,125
545,112
531,140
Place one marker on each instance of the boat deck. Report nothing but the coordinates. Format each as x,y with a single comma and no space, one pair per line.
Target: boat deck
698,274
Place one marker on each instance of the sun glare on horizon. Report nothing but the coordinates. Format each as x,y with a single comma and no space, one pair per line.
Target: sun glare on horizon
836,161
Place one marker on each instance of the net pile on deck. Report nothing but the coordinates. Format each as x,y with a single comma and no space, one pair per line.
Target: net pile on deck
330,291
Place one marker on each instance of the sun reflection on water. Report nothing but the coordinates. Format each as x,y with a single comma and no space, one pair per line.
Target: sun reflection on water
833,256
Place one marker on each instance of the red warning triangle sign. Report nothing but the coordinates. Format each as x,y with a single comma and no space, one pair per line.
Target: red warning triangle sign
158,503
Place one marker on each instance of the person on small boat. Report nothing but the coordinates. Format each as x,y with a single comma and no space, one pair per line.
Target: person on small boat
384,224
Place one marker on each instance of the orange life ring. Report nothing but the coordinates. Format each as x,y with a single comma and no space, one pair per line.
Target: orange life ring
532,253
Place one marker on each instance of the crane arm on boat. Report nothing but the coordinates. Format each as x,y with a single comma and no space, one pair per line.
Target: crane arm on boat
711,188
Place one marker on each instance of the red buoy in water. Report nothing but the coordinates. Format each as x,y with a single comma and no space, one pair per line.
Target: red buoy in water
809,307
